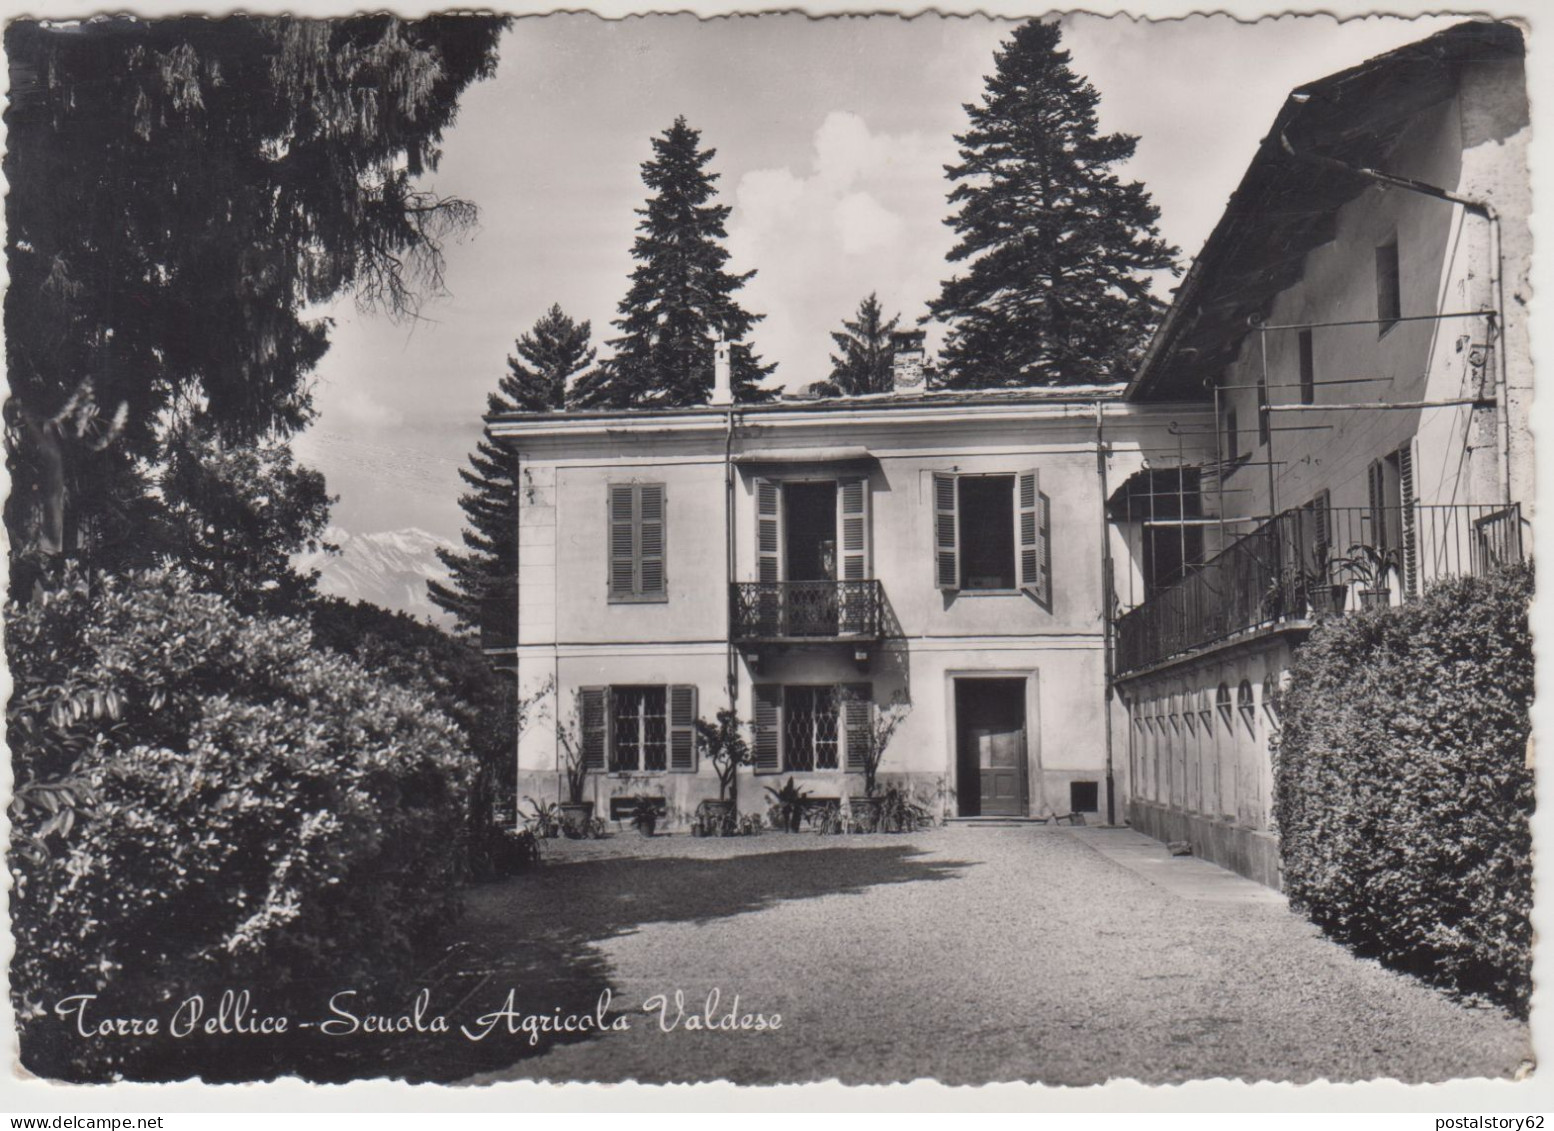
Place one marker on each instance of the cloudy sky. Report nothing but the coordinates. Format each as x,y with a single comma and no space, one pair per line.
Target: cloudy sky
831,137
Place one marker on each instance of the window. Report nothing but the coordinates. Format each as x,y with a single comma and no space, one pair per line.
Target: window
636,536
1084,797
638,728
640,736
1232,436
805,728
1391,483
1262,410
1222,701
1247,706
992,533
812,529
1389,294
1308,369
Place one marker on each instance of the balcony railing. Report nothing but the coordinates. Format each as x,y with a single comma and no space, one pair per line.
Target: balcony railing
1305,564
776,611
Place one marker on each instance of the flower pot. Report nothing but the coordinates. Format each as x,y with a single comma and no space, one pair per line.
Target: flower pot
646,823
576,817
1340,597
866,813
716,817
1375,598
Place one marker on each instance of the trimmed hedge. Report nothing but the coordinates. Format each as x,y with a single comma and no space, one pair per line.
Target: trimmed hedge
1402,789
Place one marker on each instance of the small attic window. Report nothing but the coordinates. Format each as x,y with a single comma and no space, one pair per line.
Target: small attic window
1389,295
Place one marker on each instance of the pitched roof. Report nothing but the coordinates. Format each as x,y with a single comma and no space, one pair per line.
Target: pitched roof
1285,206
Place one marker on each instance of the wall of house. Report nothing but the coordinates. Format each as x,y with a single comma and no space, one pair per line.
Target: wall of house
572,636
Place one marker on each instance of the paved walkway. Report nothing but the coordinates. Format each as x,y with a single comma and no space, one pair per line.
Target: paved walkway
1066,956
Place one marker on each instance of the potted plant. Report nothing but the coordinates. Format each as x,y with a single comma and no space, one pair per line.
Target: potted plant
644,813
576,814
724,745
788,805
1372,568
882,728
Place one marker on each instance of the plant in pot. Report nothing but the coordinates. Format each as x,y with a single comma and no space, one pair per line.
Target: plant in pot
644,813
788,805
1372,568
576,813
882,728
724,745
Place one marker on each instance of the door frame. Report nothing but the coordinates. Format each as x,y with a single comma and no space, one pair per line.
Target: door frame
1035,791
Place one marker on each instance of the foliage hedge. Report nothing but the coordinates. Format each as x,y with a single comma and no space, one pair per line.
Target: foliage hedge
1403,790
207,800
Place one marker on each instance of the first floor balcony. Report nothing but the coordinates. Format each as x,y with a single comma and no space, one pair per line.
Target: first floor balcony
805,612
1308,563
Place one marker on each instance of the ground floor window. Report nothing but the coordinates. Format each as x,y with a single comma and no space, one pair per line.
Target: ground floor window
640,735
802,728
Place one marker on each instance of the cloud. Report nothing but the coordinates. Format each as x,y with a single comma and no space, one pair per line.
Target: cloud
866,215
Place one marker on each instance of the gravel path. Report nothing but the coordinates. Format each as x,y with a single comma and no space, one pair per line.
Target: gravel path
965,955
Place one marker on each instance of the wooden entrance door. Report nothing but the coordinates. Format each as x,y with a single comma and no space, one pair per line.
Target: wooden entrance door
1000,770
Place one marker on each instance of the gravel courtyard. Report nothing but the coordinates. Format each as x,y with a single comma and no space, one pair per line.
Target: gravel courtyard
963,954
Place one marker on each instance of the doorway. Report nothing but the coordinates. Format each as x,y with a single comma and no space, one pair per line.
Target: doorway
810,510
990,747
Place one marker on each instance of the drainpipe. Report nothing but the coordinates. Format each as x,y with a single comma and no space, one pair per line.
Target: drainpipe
1496,286
731,668
1106,614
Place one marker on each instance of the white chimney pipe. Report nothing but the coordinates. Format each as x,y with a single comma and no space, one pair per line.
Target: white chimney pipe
722,374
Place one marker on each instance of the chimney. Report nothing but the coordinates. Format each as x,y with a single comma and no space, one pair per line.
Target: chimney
906,366
722,374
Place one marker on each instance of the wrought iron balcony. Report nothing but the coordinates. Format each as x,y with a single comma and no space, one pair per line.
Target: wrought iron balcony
778,612
1305,564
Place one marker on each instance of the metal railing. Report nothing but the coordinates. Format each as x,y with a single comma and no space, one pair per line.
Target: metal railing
789,610
1309,563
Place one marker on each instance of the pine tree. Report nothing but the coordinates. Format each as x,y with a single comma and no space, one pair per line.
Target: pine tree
483,594
1059,249
681,297
865,362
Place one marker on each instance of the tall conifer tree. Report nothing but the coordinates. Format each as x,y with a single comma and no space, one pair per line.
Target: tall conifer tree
1059,249
483,593
864,365
681,296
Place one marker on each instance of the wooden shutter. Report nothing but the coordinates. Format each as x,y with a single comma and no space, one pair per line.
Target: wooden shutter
852,520
594,725
946,525
768,530
1026,526
1322,541
651,581
1044,542
1376,480
623,543
768,728
1406,497
682,727
857,722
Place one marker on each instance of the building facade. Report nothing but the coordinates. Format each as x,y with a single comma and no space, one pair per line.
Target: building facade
1356,323
808,561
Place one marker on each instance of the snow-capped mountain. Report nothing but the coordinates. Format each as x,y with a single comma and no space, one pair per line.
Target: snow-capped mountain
389,569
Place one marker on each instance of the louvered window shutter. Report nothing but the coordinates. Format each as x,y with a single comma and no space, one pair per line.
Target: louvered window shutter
682,727
1409,548
768,727
1027,529
1323,539
857,722
768,530
1044,541
594,725
623,558
1376,480
852,500
650,540
946,528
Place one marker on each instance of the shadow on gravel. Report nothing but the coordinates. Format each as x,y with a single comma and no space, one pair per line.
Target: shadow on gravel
533,935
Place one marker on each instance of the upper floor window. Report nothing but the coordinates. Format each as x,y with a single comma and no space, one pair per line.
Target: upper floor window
992,533
1232,436
636,538
1389,293
812,529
